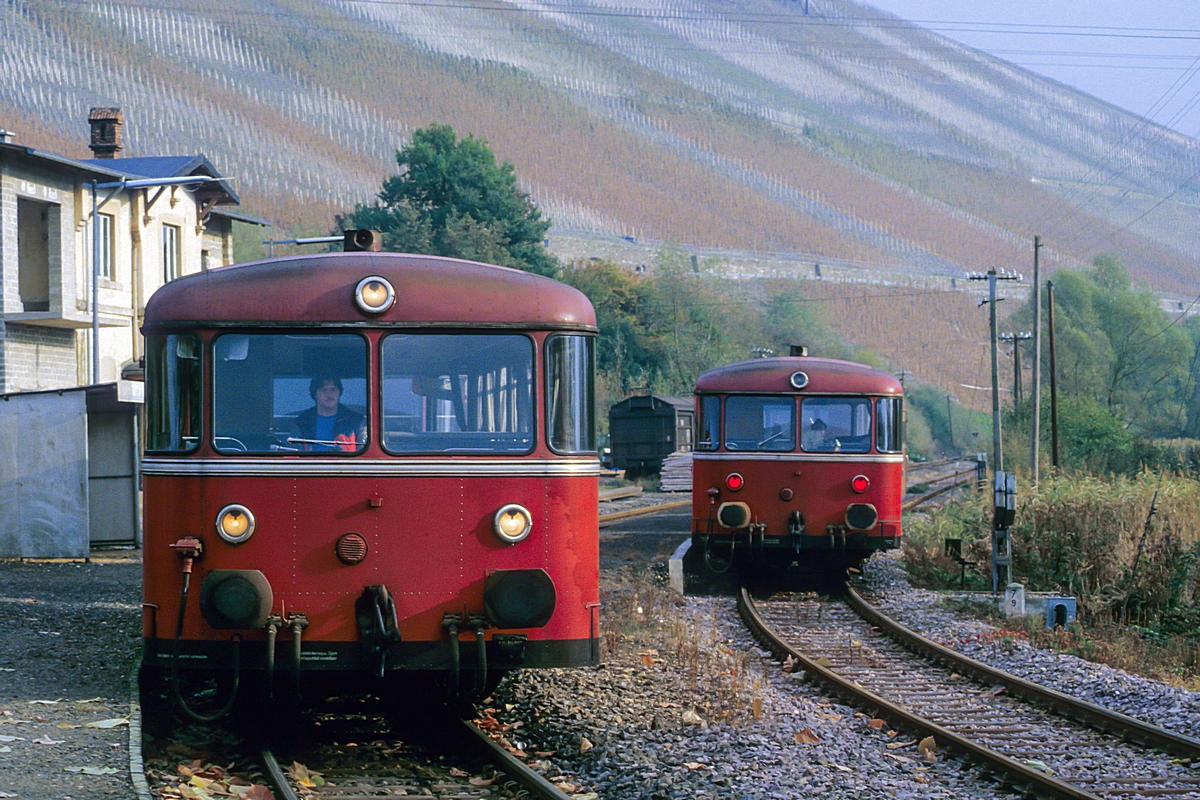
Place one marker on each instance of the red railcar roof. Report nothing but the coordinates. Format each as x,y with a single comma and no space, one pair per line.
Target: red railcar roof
319,289
825,376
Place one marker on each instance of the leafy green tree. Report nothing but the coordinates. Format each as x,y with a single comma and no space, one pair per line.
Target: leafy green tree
1118,348
451,198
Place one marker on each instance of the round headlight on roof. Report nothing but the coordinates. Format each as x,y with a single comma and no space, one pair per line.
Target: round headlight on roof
512,523
799,379
374,295
235,523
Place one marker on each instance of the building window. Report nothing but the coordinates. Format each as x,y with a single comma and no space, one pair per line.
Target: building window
170,244
106,246
33,254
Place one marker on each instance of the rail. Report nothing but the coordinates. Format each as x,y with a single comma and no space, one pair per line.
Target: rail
1025,778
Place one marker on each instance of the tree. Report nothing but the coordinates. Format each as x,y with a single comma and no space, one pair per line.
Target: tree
1117,347
452,199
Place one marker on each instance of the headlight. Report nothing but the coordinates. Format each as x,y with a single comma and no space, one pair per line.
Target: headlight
512,523
374,295
235,524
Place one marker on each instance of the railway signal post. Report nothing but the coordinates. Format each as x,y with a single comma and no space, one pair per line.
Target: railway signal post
1005,511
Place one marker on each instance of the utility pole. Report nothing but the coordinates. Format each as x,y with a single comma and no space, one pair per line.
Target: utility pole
1037,364
1053,378
950,420
991,276
1016,339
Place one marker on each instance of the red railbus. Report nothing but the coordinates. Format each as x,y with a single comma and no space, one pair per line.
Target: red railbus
798,460
370,463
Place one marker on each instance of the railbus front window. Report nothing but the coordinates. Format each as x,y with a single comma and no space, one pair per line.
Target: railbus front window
173,371
457,393
302,393
570,394
765,422
835,424
889,425
708,422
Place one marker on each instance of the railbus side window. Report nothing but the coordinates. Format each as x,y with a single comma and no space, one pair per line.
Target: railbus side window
570,394
835,424
173,370
708,422
760,422
889,425
290,393
457,393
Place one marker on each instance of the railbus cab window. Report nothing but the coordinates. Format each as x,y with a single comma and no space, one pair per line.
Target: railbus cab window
835,424
457,393
708,422
172,393
293,393
570,394
760,422
889,425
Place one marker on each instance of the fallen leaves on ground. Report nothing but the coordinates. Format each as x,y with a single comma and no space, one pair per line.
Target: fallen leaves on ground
876,724
104,724
301,776
928,748
584,745
198,780
756,708
806,736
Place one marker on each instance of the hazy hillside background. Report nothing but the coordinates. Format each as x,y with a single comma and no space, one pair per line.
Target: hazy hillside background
743,127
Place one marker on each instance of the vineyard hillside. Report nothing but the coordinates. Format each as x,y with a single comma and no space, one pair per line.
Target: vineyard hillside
841,139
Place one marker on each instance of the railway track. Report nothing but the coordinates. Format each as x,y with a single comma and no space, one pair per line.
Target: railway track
353,749
956,475
1040,741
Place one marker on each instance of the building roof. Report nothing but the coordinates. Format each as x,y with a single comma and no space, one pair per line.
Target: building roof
171,167
114,169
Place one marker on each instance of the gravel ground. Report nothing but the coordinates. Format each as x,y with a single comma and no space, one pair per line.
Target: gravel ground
69,638
1148,700
685,705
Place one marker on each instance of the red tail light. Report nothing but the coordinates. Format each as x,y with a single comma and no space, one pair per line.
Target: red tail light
734,481
860,483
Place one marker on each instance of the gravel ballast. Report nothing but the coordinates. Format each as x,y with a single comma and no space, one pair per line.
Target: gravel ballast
69,638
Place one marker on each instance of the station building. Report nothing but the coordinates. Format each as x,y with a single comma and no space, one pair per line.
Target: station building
148,236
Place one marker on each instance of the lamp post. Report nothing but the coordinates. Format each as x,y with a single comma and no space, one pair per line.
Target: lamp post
117,187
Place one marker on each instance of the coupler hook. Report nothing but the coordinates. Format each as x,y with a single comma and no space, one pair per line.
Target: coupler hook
378,626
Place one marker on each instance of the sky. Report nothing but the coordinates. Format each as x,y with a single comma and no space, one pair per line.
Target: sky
1141,55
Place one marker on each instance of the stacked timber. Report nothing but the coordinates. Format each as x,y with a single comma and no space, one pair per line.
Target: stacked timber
676,473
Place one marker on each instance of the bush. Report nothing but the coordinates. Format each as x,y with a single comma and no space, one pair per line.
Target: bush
1082,535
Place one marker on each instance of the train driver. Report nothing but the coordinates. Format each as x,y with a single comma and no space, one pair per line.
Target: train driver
328,425
814,438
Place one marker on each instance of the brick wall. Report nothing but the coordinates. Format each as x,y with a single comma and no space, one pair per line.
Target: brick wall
36,357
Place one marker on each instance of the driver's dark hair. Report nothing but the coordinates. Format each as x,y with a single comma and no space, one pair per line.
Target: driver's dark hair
320,380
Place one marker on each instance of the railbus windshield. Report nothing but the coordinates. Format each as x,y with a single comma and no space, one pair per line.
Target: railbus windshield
835,424
292,393
760,422
457,393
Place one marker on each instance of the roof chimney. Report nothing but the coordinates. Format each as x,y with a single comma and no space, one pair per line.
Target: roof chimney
106,131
